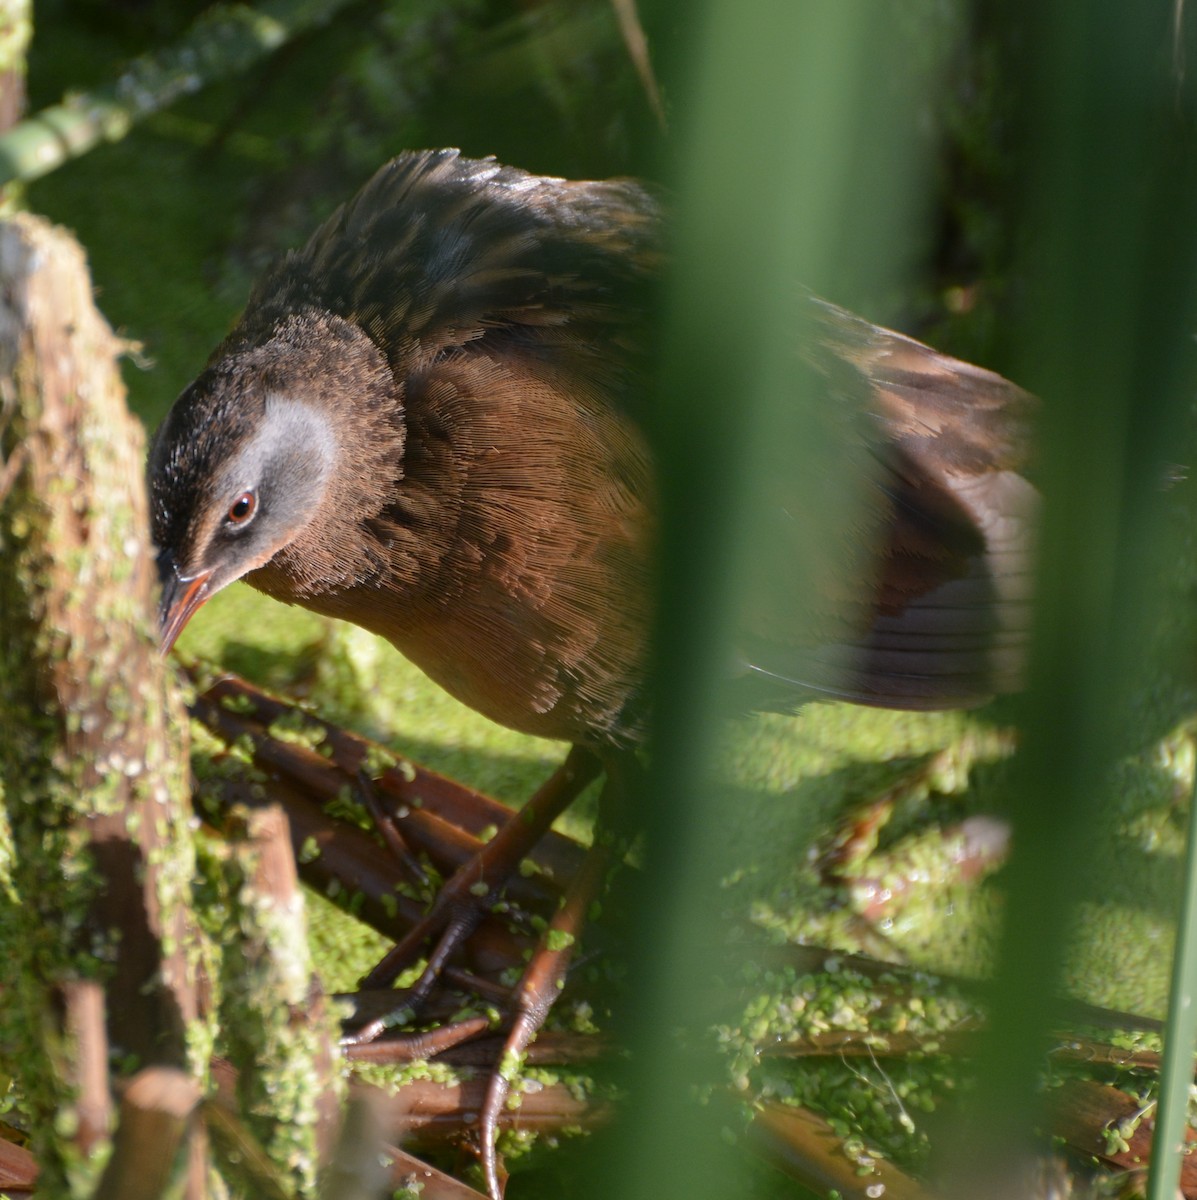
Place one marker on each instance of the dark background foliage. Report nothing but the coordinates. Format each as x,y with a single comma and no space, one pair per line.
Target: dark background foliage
179,217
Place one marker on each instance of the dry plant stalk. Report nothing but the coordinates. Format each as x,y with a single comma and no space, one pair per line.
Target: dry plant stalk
439,817
157,1109
277,1023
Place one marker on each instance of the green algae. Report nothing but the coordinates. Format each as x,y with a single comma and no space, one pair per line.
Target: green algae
876,1101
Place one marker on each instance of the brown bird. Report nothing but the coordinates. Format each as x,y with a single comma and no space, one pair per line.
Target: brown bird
429,421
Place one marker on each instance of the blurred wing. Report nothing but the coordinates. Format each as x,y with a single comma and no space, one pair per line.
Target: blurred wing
939,615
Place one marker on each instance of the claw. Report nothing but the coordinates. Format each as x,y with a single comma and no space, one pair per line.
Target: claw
475,887
537,991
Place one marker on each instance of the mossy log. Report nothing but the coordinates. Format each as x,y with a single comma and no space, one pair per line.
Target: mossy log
277,1025
97,863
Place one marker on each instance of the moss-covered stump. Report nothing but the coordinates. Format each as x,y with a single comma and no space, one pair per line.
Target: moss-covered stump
96,862
277,1025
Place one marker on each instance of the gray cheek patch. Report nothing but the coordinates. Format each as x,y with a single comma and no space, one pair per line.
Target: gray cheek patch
289,462
292,453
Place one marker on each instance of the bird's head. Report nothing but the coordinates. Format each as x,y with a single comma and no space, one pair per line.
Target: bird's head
249,465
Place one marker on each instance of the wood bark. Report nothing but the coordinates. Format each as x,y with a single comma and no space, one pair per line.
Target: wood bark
96,864
277,1024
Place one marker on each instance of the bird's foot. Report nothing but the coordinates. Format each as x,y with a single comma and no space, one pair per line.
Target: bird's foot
472,892
534,997
390,832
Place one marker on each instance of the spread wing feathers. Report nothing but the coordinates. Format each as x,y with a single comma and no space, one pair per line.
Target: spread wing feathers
437,251
950,520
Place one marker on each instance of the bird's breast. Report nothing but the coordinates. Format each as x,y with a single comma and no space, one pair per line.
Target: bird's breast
518,557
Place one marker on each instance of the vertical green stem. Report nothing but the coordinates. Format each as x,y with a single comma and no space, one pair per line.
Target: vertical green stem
781,98
1104,214
1180,1036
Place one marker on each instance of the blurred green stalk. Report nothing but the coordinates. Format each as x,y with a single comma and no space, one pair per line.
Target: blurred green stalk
1180,1036
779,99
1104,204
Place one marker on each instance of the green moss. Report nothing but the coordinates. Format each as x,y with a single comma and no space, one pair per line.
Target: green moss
875,1102
343,949
392,1078
86,735
272,1030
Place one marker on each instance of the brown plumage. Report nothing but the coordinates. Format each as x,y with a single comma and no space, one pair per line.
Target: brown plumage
430,421
945,575
434,413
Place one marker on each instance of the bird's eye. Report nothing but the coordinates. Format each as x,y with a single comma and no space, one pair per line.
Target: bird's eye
242,508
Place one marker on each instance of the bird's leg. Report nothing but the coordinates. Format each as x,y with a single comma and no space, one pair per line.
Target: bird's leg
389,831
539,988
475,887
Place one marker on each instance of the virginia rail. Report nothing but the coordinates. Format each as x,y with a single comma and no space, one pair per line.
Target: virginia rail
429,421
